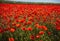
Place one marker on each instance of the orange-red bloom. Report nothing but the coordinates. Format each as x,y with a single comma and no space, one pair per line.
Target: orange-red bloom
44,28
22,20
12,30
11,39
29,29
29,22
41,32
18,25
37,25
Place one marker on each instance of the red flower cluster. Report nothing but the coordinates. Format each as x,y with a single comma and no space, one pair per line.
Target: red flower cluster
31,21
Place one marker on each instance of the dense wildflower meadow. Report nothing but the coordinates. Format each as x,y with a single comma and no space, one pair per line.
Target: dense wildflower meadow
29,22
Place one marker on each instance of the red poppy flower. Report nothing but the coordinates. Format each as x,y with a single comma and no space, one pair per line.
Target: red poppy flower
29,29
13,23
25,23
58,28
6,29
37,36
37,25
18,25
30,19
22,20
15,17
32,37
29,22
41,32
58,20
11,39
56,23
12,30
23,28
44,28
17,20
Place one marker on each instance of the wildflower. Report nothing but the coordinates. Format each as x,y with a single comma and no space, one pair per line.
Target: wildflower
29,22
32,37
41,32
25,23
12,29
58,28
22,20
37,25
30,19
18,25
44,28
29,28
13,23
11,39
37,36
23,28
17,20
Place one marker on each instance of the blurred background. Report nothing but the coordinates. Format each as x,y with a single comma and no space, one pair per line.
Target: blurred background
36,1
48,1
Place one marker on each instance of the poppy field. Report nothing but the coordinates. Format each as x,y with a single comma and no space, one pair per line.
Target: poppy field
29,22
